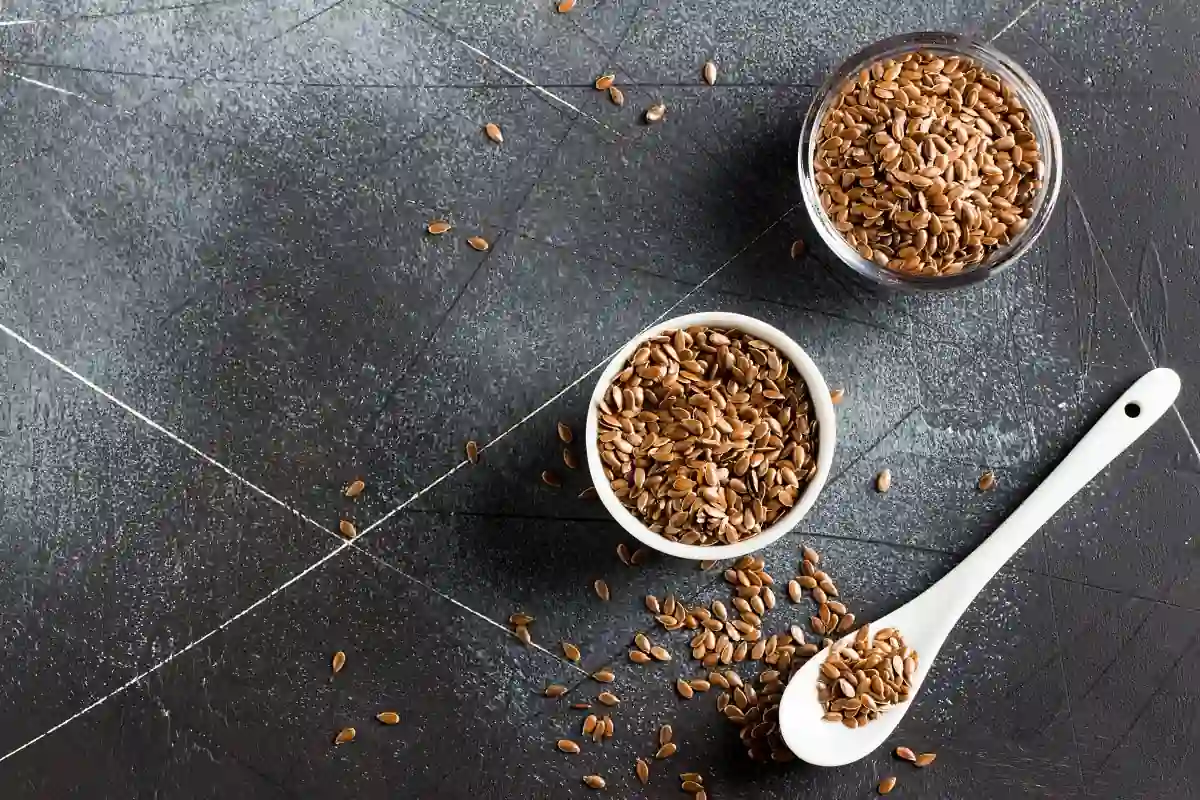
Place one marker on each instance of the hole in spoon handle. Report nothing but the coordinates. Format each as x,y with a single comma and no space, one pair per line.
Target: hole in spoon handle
1119,427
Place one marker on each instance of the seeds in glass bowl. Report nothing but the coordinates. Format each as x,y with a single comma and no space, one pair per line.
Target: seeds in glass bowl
707,435
927,163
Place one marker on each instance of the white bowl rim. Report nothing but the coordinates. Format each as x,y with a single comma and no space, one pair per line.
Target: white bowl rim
822,407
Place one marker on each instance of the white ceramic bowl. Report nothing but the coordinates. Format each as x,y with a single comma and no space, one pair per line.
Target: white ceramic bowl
822,407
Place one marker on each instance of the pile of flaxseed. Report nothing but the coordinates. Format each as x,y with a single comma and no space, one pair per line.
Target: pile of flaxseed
707,435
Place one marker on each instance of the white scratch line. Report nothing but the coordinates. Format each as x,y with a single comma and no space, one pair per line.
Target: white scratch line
10,22
540,89
1015,20
49,86
174,437
299,576
581,378
1095,246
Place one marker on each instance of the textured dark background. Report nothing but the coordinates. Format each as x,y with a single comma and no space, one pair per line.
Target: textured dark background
213,212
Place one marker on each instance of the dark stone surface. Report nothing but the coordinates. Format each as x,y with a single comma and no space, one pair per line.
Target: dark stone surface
215,212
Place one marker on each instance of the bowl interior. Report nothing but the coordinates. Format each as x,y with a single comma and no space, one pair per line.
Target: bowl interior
822,408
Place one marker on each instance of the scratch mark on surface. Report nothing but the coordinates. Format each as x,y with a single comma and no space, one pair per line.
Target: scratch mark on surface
1095,247
43,85
1152,298
1020,15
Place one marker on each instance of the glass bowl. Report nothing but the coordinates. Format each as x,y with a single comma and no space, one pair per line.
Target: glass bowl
1041,117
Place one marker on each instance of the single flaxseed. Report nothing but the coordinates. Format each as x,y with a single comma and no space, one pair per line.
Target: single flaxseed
519,618
710,73
437,227
601,589
605,82
692,787
563,7
638,657
581,706
887,784
479,243
925,759
570,459
643,771
616,96
608,698
346,529
665,733
660,653
550,478
836,396
798,248
684,688
565,433
604,676
493,132
591,781
523,636
388,717
339,661
666,751
473,451
883,481
623,553
355,488
811,556
987,481
555,690
589,724
655,113
345,735
567,746
905,753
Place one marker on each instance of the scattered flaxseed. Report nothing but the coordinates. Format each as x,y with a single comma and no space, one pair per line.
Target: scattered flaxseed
660,653
479,243
616,96
643,771
567,746
355,488
565,433
684,688
887,784
604,676
601,589
555,690
437,227
591,781
925,759
388,717
623,553
605,82
346,528
608,698
345,735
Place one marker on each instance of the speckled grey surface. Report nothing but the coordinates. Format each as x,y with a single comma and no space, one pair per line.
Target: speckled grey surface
214,213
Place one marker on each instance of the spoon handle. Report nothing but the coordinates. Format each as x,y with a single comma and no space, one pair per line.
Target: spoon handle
1127,419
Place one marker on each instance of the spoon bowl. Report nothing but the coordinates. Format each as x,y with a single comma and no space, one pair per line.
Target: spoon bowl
927,620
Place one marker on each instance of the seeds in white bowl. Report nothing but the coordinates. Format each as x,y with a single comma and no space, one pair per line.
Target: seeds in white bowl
707,436
927,163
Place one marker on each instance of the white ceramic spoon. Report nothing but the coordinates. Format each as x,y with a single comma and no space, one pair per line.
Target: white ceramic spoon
927,620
